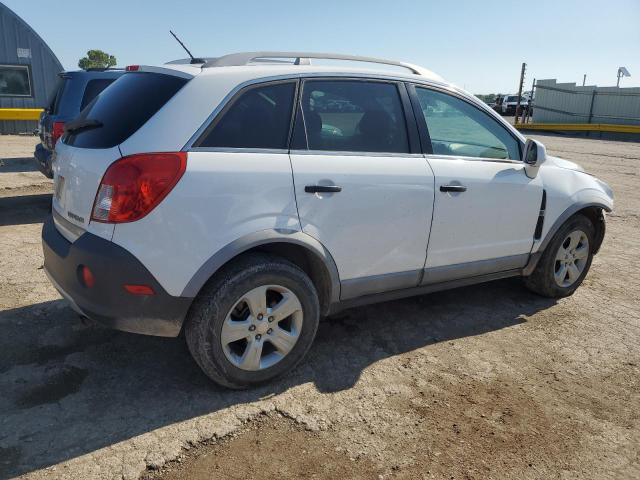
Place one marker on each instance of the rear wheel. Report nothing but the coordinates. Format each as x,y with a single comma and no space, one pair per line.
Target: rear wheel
566,260
253,322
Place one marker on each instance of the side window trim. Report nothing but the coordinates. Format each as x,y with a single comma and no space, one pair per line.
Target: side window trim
299,132
410,119
294,112
226,104
425,129
476,159
412,132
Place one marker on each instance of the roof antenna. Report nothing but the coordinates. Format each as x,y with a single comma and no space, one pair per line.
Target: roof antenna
193,59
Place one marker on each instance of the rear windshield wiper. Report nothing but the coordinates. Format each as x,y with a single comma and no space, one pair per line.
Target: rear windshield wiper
82,124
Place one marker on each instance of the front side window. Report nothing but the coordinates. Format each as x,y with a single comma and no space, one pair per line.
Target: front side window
458,128
15,81
259,118
356,116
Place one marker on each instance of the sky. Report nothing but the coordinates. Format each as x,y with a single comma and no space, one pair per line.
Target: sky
478,45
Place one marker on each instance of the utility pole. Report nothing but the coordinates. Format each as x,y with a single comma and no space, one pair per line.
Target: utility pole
530,103
524,68
584,79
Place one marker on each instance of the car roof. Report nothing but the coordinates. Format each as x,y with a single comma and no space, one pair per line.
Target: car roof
258,63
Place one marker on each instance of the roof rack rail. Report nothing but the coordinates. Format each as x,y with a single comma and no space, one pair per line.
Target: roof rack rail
303,58
187,61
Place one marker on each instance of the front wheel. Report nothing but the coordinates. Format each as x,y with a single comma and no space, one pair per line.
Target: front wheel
253,322
566,260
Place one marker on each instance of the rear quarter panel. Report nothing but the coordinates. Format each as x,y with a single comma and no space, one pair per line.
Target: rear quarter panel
221,197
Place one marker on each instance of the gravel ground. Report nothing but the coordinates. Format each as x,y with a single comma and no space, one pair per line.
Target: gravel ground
483,382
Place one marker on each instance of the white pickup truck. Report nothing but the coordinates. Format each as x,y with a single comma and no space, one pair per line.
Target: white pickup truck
510,102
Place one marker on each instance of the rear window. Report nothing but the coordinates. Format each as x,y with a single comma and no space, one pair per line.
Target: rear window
93,88
124,107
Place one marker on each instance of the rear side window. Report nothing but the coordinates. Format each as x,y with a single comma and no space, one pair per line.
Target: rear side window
124,107
93,88
357,116
54,102
260,117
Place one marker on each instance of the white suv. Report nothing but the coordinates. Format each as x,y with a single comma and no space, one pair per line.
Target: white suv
245,197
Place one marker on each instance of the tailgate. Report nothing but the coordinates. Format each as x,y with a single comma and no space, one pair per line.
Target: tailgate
77,175
92,141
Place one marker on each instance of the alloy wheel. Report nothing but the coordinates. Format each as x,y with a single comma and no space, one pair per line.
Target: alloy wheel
571,258
262,327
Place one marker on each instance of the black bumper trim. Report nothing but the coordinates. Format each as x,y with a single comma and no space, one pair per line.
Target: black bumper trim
107,302
43,160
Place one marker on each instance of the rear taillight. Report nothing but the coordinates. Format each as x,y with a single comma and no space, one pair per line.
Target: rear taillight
133,186
56,133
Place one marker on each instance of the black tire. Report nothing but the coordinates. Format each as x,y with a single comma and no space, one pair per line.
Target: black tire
542,280
206,317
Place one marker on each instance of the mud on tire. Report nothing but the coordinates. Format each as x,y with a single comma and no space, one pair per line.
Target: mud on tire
543,279
214,304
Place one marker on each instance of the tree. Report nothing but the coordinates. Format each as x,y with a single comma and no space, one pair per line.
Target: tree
97,59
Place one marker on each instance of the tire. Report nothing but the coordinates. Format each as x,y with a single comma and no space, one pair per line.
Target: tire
222,311
545,278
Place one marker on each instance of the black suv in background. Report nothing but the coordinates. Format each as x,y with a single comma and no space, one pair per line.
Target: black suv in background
76,90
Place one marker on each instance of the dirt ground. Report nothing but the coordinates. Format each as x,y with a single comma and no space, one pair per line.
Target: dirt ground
485,382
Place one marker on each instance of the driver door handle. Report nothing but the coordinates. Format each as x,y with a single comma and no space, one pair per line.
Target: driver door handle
322,189
453,188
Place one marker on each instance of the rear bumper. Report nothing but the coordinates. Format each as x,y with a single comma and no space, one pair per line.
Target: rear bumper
107,302
43,160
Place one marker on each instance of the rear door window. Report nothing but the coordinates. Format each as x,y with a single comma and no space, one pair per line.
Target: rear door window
124,107
93,88
259,117
352,115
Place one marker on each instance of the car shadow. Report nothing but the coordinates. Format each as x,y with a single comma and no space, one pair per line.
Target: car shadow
24,209
69,390
18,164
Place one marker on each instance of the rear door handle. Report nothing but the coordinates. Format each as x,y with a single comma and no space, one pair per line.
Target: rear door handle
322,189
453,188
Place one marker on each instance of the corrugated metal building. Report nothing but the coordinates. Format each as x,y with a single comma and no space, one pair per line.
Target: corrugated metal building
569,103
28,69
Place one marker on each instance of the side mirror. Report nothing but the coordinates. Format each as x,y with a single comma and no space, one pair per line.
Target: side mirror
534,155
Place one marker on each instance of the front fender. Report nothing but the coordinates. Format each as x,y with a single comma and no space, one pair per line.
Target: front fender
541,245
568,191
568,213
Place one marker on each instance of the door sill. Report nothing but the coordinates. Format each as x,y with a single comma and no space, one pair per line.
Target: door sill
421,290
